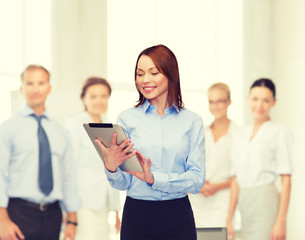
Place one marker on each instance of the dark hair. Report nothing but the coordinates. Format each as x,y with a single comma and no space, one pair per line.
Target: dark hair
265,82
35,67
166,63
92,81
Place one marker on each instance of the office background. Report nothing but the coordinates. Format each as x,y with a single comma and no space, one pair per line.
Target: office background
232,41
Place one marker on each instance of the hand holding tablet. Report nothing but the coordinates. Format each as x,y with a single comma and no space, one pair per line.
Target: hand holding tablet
121,154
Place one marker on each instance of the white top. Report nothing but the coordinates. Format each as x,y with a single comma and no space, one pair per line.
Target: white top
212,211
94,189
260,160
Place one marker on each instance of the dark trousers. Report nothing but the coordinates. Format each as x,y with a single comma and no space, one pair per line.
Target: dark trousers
158,220
36,222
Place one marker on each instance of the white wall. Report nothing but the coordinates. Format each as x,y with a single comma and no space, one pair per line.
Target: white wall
257,45
289,71
206,37
78,49
25,39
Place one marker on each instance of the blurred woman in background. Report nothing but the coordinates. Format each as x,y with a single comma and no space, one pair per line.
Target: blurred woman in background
211,205
96,195
260,153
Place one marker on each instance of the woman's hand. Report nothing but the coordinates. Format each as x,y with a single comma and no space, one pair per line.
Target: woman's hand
279,231
115,155
117,222
146,175
230,232
208,189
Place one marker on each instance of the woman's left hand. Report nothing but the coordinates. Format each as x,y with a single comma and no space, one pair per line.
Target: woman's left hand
279,231
146,175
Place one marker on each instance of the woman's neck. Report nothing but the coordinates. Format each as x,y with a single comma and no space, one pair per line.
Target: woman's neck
220,127
259,122
160,107
96,118
221,122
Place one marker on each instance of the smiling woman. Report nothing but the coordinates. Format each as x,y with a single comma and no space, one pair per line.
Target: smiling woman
260,153
155,80
211,205
169,143
96,195
152,84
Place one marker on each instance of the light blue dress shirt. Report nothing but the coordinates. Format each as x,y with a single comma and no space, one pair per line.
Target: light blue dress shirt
175,143
19,161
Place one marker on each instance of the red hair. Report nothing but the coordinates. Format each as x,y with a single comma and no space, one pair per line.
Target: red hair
166,63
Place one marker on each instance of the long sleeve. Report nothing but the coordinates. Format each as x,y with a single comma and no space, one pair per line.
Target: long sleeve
193,179
4,163
175,144
70,181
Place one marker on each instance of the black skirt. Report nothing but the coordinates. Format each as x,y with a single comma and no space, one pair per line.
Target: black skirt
158,220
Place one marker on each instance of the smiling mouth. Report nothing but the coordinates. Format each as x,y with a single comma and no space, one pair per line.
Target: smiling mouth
148,89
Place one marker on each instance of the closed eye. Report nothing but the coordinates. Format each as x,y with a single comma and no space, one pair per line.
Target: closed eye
140,73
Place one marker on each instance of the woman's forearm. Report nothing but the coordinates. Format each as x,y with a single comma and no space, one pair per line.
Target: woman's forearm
234,189
284,198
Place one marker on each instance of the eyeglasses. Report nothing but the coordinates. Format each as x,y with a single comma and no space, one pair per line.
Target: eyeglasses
217,102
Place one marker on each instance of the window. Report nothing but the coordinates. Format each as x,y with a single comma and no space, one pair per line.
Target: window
25,39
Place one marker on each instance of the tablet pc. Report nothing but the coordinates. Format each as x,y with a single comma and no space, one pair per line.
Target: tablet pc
105,131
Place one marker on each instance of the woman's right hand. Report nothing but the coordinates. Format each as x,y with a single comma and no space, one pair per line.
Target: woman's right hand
208,189
115,155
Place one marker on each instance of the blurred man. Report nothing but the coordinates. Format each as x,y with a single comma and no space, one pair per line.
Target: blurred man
36,168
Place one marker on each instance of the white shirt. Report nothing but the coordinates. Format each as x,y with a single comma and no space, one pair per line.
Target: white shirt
212,211
94,189
218,154
260,160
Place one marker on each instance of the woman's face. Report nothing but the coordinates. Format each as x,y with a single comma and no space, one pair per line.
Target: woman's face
218,103
261,100
150,82
96,99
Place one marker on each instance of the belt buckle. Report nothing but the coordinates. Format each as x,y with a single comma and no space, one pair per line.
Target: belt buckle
42,207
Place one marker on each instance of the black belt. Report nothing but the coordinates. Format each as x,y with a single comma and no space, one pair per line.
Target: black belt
38,206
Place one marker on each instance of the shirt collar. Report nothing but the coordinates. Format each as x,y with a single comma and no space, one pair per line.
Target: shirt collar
26,110
147,106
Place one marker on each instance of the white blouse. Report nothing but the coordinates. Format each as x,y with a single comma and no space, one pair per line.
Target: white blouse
218,155
212,211
94,190
260,160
